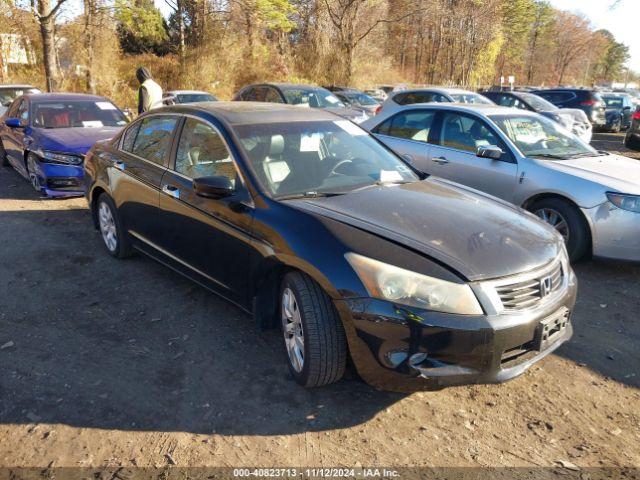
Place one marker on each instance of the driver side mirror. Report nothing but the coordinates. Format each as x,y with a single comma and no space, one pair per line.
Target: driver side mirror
13,123
489,151
213,187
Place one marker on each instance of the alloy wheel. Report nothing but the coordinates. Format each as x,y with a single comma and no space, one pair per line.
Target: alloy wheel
556,220
108,227
292,329
33,176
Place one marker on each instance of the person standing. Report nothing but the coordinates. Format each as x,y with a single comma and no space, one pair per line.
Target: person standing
149,93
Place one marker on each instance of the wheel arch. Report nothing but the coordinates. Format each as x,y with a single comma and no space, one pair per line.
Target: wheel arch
93,202
550,195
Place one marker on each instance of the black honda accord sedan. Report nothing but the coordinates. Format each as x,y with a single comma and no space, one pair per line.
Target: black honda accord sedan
304,220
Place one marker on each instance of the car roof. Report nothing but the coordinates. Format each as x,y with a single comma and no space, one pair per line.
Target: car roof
65,96
17,85
445,90
481,108
246,113
188,92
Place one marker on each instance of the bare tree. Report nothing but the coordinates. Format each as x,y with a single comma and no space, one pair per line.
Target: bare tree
45,13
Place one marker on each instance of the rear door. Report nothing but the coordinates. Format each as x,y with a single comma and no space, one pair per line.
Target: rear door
209,239
453,155
135,178
407,133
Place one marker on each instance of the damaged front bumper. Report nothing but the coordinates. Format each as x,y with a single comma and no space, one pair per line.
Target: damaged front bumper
615,233
402,349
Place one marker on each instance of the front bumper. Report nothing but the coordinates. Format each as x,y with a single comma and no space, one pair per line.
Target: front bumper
615,233
60,180
404,349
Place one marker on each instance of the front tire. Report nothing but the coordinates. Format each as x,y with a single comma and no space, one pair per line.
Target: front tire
113,234
568,222
32,171
314,336
3,156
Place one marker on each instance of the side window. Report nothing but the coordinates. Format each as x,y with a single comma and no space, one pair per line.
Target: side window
466,133
257,94
23,111
439,98
416,97
505,100
517,103
247,94
13,109
203,153
410,125
271,95
130,137
154,138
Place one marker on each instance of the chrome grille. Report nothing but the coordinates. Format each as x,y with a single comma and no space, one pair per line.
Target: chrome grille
531,292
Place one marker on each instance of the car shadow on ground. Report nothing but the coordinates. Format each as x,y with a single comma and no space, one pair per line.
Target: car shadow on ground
91,341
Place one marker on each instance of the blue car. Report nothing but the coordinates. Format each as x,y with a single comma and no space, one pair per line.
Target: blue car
45,137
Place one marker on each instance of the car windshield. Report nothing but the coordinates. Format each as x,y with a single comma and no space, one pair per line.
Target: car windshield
538,103
195,97
77,114
614,102
470,98
536,136
8,95
316,158
312,97
360,99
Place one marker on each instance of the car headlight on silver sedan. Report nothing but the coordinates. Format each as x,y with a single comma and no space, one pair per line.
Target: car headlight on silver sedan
624,201
55,157
404,287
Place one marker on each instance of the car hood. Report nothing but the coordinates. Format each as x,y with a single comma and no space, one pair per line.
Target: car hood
472,233
614,172
347,112
73,140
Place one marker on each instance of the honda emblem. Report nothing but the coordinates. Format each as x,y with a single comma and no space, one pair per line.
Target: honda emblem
545,286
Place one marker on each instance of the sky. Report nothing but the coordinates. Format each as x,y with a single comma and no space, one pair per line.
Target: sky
621,20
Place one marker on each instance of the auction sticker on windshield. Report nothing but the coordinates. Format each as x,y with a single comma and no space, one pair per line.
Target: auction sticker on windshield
349,127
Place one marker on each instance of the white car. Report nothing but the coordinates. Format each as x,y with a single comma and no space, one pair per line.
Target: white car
397,99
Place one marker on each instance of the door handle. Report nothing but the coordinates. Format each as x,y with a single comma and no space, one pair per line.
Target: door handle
171,191
440,160
119,166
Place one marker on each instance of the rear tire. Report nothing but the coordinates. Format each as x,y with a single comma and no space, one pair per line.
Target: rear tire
565,217
3,156
111,230
308,314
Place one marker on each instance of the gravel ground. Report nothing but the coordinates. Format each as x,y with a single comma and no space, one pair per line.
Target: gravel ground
107,363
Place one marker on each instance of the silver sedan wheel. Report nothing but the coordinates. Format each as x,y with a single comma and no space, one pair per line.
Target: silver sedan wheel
292,328
108,227
556,220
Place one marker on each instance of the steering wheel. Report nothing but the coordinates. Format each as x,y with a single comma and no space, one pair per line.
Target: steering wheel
334,171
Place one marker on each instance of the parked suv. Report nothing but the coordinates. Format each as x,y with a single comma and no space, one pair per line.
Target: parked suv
589,101
305,96
573,119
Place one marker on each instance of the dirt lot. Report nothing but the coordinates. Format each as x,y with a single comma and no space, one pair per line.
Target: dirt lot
122,363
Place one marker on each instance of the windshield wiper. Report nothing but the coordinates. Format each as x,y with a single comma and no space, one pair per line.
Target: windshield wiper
550,155
311,194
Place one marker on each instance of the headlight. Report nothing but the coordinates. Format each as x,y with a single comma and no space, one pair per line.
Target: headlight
53,157
404,287
625,202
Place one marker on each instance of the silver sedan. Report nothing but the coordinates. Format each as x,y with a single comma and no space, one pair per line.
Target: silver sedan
590,197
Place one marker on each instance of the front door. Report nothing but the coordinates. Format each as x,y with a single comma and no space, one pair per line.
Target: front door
454,156
207,238
136,176
13,140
